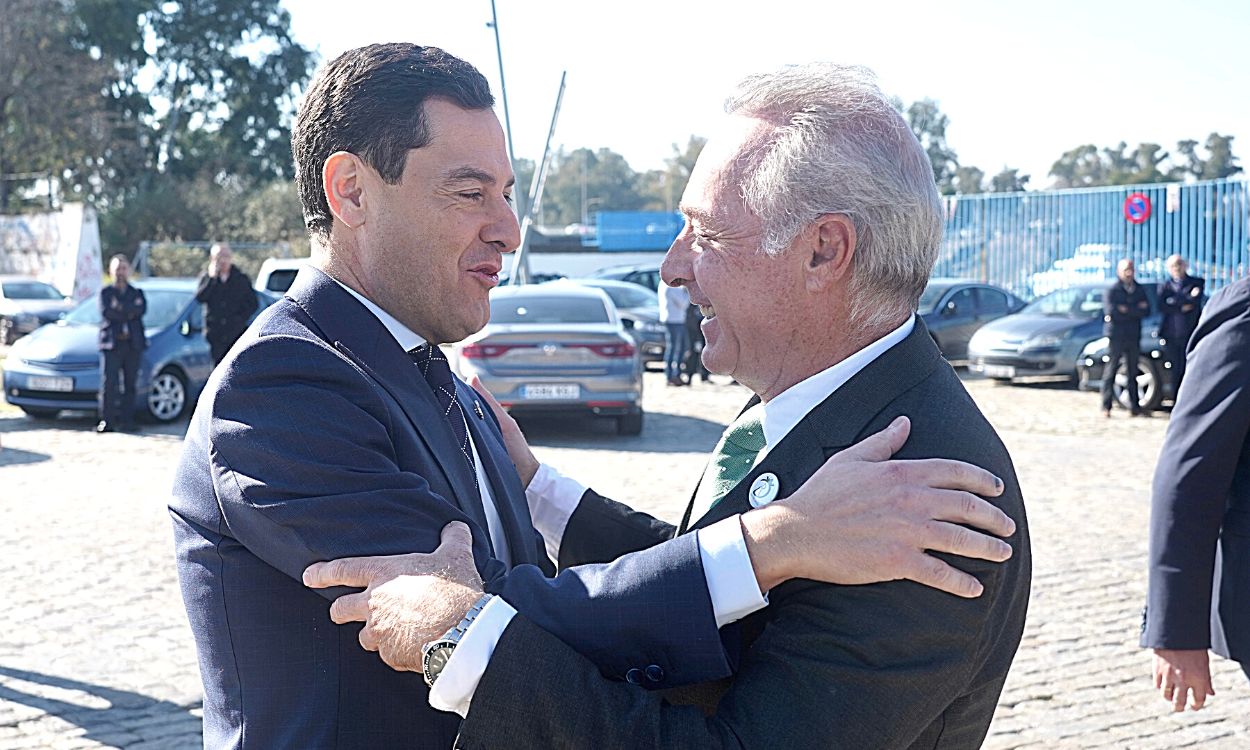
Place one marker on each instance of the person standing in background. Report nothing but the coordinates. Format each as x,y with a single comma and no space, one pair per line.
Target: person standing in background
122,342
1125,304
673,304
1180,301
694,353
228,299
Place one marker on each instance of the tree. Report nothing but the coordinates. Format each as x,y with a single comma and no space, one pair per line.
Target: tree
969,180
662,189
1147,159
929,125
1080,167
1220,161
584,182
1009,180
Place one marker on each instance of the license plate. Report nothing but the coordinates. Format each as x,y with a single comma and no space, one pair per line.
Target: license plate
999,371
40,383
552,391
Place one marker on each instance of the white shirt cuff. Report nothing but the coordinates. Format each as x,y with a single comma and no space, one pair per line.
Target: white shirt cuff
731,582
552,498
454,688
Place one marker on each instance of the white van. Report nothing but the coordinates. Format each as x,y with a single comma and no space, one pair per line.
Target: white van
277,274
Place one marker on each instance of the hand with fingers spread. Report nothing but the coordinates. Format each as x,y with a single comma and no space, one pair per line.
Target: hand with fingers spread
408,600
513,439
1181,672
863,518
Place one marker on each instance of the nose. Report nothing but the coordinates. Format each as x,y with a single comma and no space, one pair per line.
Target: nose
502,230
677,267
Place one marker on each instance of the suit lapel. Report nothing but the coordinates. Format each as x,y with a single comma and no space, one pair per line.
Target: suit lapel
360,336
836,423
504,483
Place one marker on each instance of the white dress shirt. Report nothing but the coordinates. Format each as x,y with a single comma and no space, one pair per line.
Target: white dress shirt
732,587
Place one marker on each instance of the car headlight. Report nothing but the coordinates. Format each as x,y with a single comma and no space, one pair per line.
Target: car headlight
1095,346
1045,341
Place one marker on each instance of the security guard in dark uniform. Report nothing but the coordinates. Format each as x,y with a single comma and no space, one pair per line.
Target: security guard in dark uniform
122,342
1124,304
228,299
1180,301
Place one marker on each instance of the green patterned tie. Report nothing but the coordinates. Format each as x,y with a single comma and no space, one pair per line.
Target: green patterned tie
733,458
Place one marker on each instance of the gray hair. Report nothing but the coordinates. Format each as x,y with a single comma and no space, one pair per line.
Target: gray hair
839,147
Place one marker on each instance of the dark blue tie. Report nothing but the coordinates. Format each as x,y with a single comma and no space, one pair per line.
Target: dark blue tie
433,365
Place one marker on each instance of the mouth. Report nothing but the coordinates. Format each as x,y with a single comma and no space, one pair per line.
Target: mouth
707,311
487,273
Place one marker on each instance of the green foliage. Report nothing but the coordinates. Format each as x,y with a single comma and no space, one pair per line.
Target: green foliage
1009,180
969,180
929,125
1087,166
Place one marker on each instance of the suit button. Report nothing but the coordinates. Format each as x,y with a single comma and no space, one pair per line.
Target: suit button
655,673
634,676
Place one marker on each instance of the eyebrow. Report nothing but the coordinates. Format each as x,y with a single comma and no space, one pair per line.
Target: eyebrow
703,217
473,173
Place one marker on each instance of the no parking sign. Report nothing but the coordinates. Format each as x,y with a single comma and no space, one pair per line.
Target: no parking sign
1137,208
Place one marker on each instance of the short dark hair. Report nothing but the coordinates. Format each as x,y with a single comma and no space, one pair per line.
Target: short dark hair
370,101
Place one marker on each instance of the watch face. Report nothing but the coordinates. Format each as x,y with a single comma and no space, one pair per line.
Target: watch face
436,658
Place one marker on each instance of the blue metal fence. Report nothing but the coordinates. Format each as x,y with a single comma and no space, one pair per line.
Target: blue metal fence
1035,242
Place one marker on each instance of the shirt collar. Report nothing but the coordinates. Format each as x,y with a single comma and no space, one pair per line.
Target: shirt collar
407,339
789,407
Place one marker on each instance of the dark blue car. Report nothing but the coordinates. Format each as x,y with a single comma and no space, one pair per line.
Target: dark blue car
58,366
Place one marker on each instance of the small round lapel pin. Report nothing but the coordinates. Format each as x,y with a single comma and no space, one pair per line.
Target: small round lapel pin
764,490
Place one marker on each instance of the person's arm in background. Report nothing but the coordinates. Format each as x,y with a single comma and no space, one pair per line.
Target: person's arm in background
1192,481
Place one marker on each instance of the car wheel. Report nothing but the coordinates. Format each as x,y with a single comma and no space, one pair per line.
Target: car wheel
35,413
1147,381
167,398
629,424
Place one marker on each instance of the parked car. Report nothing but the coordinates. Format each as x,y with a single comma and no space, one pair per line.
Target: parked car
276,275
1047,336
953,310
58,367
639,310
647,275
1152,375
26,304
556,348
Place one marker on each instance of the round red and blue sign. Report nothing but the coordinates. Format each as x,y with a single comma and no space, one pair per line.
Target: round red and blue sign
1137,208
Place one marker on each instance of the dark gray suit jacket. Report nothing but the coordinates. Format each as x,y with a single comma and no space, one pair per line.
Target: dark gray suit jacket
1200,519
890,665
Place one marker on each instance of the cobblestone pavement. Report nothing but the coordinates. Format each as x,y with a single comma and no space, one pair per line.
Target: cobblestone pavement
95,650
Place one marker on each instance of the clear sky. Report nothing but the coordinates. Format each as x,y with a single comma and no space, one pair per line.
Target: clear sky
1021,82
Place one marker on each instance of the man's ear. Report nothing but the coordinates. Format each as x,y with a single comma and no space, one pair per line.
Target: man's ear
831,249
343,176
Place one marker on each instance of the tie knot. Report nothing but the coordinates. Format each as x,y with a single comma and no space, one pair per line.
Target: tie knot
433,365
747,432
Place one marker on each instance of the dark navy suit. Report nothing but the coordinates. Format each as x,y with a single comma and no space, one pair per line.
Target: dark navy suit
1200,518
1178,323
318,438
122,341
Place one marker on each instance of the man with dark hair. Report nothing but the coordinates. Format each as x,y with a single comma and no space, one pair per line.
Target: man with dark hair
335,427
122,341
228,299
1124,305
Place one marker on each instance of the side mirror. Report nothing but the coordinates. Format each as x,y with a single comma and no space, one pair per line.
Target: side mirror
627,322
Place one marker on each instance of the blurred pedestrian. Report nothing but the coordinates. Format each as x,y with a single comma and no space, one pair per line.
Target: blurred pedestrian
673,303
228,299
122,342
1124,304
1180,301
694,354
1200,520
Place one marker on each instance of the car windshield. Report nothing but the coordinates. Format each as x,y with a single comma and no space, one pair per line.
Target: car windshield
932,293
164,307
1075,302
548,310
29,290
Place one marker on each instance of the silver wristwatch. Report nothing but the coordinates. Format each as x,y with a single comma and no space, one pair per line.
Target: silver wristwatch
436,653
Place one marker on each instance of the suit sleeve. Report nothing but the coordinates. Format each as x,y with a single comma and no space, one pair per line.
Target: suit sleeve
305,470
838,667
1192,482
601,530
205,289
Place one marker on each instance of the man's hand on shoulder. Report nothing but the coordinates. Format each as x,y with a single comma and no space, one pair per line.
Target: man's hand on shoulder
408,600
863,518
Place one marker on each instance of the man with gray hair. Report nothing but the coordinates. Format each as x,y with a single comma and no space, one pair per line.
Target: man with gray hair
812,224
228,299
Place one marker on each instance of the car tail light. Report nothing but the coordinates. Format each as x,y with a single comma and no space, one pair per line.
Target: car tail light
488,351
623,349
